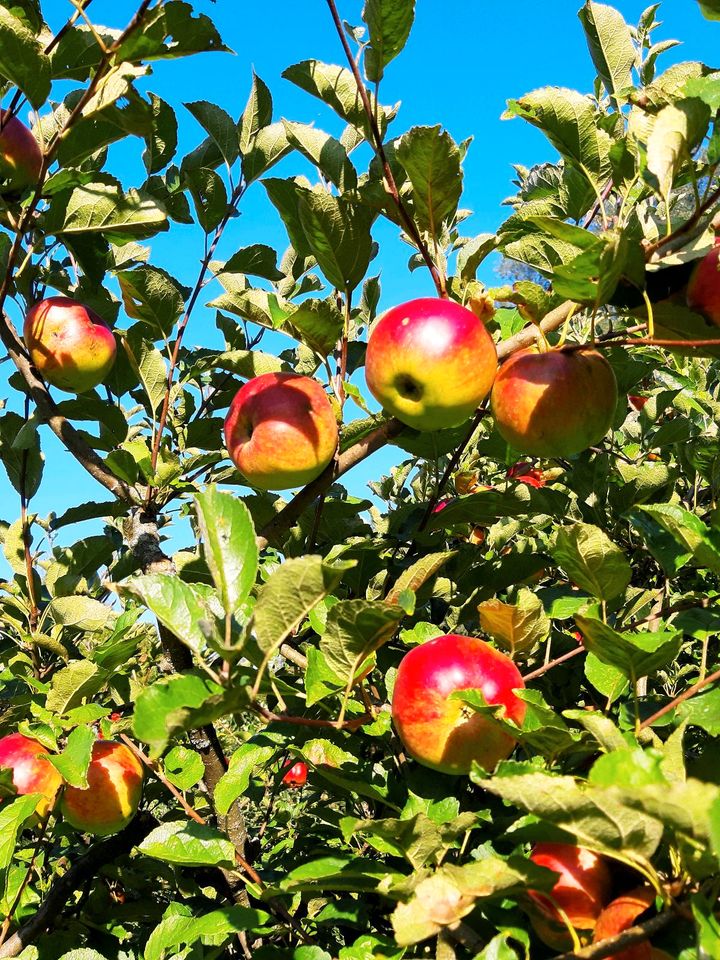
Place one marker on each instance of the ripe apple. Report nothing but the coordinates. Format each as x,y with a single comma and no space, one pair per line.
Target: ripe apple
527,474
20,154
71,346
296,775
281,431
554,404
112,796
636,402
447,735
622,913
30,772
580,892
703,290
430,363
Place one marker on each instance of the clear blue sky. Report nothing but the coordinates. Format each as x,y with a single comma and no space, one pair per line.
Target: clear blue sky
464,59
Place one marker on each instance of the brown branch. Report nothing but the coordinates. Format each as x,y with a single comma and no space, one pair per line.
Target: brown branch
99,854
204,265
554,663
639,342
615,945
528,335
353,724
687,227
291,512
377,145
690,692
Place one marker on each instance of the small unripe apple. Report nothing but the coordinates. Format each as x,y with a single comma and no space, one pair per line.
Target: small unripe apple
703,290
296,775
71,346
444,734
281,431
115,779
430,363
30,772
580,892
554,404
20,155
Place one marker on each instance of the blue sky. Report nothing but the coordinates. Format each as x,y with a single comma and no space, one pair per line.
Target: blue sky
464,59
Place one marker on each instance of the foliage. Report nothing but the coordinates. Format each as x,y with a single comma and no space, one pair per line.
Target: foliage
276,633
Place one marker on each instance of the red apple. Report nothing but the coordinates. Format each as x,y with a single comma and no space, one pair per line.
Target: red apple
296,775
30,772
444,734
71,346
20,154
637,403
703,291
281,431
430,363
580,892
112,796
622,913
526,473
554,404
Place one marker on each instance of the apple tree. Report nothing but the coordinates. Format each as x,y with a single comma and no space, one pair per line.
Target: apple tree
474,715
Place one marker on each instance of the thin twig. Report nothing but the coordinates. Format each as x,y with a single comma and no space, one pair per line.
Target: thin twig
377,145
353,724
687,227
690,692
554,663
615,945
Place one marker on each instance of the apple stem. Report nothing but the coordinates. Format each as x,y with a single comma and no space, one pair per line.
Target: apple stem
376,142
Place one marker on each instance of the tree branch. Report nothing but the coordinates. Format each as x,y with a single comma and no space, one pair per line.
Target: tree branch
690,692
615,945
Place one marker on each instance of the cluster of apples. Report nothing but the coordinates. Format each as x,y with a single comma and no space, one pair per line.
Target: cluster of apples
112,796
582,897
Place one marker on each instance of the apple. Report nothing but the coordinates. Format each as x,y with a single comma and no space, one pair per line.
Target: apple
636,402
20,154
703,290
580,892
296,775
281,431
30,772
112,796
527,474
71,346
622,913
556,403
430,363
447,735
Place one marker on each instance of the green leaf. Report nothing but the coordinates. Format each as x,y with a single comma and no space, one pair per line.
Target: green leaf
186,609
389,23
209,195
289,595
148,365
24,465
607,679
703,711
519,627
688,530
419,573
103,207
152,295
635,654
675,133
189,844
257,113
76,682
592,560
83,613
335,86
431,159
183,767
570,122
231,552
22,58
74,760
161,142
259,260
338,234
327,153
473,253
213,929
710,9
269,145
13,815
610,43
236,780
178,703
220,126
355,629
171,31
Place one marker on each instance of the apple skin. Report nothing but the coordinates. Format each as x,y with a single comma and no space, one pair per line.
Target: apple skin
20,155
115,779
31,773
71,346
622,913
281,431
554,404
430,363
444,734
581,892
703,290
296,775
